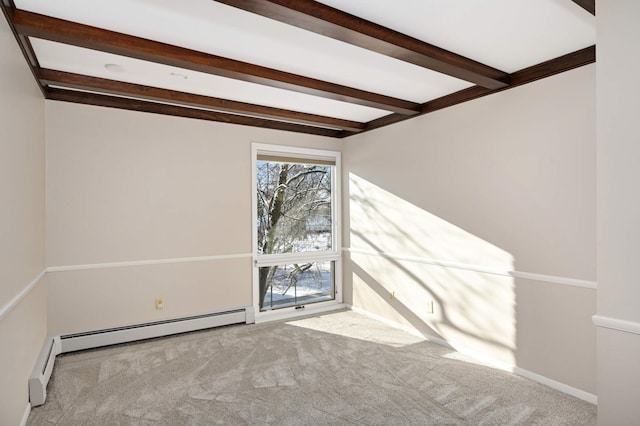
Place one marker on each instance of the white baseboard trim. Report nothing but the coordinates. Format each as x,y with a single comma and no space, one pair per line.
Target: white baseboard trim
25,416
402,327
288,314
4,311
616,324
482,269
491,362
146,262
564,388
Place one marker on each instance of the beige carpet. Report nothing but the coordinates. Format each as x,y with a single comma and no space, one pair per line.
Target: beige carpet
334,369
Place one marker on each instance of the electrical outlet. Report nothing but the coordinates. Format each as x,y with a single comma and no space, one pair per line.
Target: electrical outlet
392,295
430,307
159,304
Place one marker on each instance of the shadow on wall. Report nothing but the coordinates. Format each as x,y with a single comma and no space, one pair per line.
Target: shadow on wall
396,269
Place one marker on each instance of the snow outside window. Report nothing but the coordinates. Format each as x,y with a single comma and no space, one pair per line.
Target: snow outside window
295,236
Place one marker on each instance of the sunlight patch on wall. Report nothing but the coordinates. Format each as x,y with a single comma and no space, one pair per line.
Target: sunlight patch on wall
384,222
471,309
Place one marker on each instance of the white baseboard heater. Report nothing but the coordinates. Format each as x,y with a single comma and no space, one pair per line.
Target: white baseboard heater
42,370
55,345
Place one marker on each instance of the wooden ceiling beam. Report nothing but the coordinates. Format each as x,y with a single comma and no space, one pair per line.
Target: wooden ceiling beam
95,99
555,66
8,8
58,30
588,5
527,75
334,23
114,87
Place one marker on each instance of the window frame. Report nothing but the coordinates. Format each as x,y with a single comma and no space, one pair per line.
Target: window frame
335,254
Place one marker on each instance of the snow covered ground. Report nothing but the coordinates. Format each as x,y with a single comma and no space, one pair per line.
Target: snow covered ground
312,285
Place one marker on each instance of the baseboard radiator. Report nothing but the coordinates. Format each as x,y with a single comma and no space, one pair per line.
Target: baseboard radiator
43,369
56,345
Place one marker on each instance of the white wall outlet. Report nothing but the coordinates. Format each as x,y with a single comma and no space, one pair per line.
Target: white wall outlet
430,307
159,304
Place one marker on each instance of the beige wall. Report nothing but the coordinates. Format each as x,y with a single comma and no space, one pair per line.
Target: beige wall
618,211
125,186
22,324
503,183
22,332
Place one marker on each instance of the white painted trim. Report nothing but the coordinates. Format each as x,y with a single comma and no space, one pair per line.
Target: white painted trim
25,416
288,258
4,311
279,259
146,262
402,327
292,313
483,269
616,324
564,388
250,314
294,151
255,296
491,362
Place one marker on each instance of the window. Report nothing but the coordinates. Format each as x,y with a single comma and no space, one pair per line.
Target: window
296,242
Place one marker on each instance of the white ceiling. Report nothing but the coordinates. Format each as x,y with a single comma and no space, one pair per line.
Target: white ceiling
506,34
63,57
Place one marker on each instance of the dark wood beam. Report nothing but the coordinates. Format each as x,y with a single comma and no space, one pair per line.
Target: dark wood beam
555,66
334,23
179,111
8,8
527,75
588,5
54,29
113,87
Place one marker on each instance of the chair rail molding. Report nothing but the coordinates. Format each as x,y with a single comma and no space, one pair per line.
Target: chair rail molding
478,268
7,308
616,324
107,265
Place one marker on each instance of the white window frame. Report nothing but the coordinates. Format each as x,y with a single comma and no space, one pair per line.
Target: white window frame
334,255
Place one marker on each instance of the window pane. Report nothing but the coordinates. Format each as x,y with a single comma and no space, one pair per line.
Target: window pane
294,207
296,284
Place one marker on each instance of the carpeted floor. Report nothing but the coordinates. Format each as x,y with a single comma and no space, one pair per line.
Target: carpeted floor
335,369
